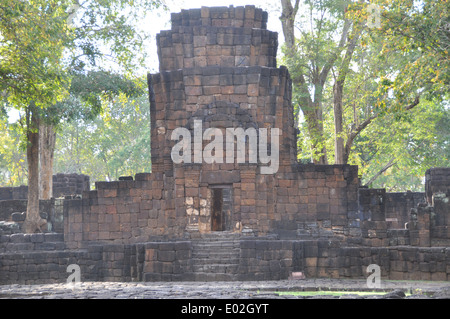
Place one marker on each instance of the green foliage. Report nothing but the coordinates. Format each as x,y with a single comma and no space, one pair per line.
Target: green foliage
403,61
88,92
61,62
40,48
116,143
392,69
13,169
417,140
112,144
106,35
33,36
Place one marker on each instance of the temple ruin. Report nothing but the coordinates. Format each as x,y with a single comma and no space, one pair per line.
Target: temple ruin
207,218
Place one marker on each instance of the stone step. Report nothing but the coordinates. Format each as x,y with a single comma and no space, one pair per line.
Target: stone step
215,252
215,242
206,276
218,236
216,255
213,248
215,260
216,268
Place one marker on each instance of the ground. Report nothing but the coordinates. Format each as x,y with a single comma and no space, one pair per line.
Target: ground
228,290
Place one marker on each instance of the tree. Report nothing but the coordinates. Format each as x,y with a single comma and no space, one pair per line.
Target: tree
402,74
13,170
411,141
32,76
104,34
368,73
35,69
310,59
115,143
87,92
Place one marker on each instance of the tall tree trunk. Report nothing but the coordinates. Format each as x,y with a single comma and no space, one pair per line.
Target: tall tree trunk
311,109
314,119
311,106
33,221
47,139
338,126
287,18
338,92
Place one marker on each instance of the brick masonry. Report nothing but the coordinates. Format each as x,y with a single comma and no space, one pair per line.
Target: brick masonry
259,259
218,66
63,184
13,202
298,202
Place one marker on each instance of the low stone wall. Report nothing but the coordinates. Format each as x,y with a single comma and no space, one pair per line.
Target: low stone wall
31,242
9,193
63,184
325,259
70,184
266,259
165,261
398,207
41,267
8,207
15,211
260,259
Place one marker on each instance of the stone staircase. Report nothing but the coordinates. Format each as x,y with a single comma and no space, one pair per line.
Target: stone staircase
215,256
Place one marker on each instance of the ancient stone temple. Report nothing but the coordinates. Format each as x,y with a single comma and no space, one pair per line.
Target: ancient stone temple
218,69
226,198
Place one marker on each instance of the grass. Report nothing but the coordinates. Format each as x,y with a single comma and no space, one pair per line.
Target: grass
329,293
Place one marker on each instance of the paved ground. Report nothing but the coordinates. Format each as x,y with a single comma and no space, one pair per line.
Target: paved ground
222,290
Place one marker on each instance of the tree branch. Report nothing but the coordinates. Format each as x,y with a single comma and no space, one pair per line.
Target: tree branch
363,125
381,171
329,64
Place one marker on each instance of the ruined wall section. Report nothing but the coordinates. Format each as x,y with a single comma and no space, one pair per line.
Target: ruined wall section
63,184
125,211
317,201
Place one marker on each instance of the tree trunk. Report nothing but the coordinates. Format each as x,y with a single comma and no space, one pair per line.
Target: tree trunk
311,109
287,18
314,119
311,106
338,92
338,127
47,139
33,221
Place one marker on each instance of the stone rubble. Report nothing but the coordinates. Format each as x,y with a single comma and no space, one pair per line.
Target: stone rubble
226,290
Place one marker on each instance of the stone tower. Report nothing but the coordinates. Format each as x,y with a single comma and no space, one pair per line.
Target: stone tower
218,69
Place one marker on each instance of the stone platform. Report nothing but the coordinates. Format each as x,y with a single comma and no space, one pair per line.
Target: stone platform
227,290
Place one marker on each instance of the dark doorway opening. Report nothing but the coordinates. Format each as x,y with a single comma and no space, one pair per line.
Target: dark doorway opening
221,208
